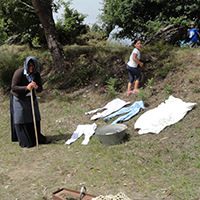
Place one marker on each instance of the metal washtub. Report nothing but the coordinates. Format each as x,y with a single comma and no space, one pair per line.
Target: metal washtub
111,134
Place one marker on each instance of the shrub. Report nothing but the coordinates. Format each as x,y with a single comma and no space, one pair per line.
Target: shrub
150,82
8,64
142,95
111,87
163,72
167,90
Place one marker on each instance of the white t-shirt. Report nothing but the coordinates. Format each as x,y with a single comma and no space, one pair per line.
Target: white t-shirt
131,62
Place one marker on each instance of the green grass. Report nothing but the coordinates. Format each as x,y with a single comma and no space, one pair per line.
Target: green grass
164,166
141,164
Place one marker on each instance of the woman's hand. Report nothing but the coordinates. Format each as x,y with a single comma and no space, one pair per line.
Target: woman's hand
32,85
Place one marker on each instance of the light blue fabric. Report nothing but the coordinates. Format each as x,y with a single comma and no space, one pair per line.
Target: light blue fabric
132,110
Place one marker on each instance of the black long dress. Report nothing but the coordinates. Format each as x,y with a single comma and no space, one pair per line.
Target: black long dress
24,132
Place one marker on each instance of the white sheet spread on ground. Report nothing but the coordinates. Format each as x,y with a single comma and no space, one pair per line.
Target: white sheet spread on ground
88,130
109,108
168,113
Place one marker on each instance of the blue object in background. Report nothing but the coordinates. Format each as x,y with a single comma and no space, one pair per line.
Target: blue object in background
184,44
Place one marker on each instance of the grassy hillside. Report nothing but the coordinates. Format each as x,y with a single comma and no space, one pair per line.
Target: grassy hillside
150,166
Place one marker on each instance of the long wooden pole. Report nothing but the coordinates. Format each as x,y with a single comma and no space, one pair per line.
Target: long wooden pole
33,110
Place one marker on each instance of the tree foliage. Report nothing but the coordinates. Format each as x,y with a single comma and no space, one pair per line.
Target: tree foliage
145,17
71,25
18,17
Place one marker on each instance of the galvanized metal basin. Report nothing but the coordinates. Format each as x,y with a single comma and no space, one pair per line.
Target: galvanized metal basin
111,134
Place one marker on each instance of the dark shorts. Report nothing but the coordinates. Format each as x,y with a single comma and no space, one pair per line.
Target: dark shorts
132,73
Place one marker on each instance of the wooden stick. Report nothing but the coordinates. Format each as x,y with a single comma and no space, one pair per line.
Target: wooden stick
33,110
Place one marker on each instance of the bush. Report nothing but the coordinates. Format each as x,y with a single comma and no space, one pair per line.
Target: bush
111,87
8,64
71,26
142,95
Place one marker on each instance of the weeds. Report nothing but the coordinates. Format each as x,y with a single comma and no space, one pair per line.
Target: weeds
150,83
163,72
167,90
111,87
190,79
142,95
197,89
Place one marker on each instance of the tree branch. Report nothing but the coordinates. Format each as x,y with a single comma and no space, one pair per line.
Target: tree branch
27,5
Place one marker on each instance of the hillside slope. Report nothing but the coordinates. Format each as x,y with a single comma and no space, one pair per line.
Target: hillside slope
150,166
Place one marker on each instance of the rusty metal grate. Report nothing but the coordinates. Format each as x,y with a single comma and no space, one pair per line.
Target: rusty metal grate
67,194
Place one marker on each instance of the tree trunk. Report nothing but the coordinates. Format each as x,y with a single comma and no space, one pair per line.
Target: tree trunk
43,8
170,34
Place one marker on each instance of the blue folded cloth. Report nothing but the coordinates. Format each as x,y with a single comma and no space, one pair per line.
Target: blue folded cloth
132,110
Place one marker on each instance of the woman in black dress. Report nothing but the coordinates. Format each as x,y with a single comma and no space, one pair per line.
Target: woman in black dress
22,127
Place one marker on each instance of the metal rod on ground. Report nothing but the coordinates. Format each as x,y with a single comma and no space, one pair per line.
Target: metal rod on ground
33,110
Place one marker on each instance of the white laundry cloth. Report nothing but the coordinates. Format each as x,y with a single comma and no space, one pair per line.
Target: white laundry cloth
88,130
109,108
168,113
